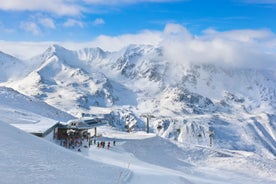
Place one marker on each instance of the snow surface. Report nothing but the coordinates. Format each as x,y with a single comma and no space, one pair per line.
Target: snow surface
29,159
136,158
8,64
212,124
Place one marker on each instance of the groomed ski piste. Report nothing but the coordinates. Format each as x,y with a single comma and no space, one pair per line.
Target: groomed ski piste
136,158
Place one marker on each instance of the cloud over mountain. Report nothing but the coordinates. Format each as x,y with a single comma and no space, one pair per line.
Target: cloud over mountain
185,86
254,48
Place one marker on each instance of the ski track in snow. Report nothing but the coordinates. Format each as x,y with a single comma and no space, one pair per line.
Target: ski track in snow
137,158
263,136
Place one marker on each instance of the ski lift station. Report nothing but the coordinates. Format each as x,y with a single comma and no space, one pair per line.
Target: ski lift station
77,128
58,130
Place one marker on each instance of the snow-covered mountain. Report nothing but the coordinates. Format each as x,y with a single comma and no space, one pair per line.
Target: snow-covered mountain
221,119
11,67
192,103
137,157
16,108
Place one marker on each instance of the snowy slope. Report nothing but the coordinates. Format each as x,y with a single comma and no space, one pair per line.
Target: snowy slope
136,158
18,108
97,78
61,75
235,106
152,159
29,159
10,67
214,124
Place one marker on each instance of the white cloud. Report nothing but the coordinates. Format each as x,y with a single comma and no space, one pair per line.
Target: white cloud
63,7
236,48
30,27
177,31
23,50
73,23
26,50
112,2
60,7
36,23
240,35
114,43
98,21
47,22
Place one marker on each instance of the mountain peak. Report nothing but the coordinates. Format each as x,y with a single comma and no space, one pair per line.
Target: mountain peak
52,53
56,49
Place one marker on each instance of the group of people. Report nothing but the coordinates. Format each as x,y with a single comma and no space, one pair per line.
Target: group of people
72,142
101,144
75,142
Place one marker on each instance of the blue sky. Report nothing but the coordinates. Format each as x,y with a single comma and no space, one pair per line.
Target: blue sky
82,20
228,32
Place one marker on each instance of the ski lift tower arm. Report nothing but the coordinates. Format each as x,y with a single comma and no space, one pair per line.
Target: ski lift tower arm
148,117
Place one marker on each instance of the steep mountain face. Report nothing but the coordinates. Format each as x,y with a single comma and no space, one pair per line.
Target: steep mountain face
14,104
62,75
140,62
186,102
10,67
203,104
91,54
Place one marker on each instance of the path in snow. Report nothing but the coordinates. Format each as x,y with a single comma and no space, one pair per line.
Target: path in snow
151,159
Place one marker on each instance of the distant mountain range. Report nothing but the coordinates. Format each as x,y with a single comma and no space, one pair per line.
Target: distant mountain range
200,104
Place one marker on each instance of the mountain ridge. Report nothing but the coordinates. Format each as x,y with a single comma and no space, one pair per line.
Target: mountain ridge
188,100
